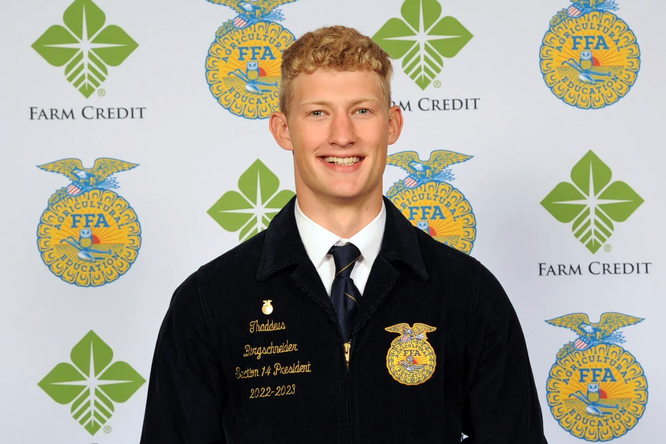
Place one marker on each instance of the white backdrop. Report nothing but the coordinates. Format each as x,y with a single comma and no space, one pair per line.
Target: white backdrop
190,151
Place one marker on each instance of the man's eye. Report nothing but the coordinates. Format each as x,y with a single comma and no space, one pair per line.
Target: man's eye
363,111
317,113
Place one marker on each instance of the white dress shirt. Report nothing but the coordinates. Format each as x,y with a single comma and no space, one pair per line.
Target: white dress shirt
318,241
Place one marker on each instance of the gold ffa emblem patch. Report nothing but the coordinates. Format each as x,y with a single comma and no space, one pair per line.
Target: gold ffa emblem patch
411,359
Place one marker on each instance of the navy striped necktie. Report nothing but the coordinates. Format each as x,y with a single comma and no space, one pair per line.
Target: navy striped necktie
344,294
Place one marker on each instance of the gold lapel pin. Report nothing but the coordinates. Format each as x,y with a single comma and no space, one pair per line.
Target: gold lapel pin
267,308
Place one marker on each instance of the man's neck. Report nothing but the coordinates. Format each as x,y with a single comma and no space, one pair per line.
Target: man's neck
342,217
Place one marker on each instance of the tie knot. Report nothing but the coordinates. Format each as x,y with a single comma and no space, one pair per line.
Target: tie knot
344,256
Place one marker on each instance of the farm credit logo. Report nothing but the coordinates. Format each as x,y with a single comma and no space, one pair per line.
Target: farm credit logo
85,46
89,235
422,38
243,63
592,202
596,390
589,57
429,201
251,210
92,383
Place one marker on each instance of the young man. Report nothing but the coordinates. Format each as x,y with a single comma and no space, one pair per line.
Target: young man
341,323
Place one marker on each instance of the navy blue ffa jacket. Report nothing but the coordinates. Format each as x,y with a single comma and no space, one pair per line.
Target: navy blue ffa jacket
250,351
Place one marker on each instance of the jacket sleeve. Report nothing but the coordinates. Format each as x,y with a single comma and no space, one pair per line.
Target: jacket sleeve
185,394
501,406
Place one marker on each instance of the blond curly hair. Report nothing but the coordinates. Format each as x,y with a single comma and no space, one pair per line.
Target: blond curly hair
335,48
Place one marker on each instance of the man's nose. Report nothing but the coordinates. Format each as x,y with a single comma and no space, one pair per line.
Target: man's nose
342,131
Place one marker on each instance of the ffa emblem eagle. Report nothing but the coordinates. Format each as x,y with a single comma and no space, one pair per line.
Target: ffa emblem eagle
86,179
420,171
590,333
250,12
411,360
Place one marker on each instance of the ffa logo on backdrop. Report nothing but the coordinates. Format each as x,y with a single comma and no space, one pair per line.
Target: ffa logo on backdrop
589,57
243,63
428,200
89,235
596,390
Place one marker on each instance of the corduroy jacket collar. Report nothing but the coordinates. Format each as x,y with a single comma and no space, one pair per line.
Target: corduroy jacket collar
283,246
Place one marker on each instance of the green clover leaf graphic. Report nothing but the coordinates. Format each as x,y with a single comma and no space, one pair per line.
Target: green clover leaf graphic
592,202
93,383
251,210
85,46
422,38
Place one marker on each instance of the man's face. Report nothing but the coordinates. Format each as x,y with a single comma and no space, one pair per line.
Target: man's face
339,128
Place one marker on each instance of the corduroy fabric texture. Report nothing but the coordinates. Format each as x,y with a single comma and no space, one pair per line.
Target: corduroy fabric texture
209,385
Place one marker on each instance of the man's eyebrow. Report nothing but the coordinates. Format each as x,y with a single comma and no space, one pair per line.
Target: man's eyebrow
352,103
365,99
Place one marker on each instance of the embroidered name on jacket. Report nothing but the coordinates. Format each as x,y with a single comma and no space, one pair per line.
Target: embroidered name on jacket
286,347
411,360
261,327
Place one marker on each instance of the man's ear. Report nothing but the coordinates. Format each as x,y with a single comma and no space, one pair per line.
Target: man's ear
280,130
395,124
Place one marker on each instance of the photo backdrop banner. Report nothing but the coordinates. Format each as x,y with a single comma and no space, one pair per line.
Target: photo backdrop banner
135,147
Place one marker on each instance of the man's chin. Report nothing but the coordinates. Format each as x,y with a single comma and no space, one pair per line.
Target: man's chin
349,196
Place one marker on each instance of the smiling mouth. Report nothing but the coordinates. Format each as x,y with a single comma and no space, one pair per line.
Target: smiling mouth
342,160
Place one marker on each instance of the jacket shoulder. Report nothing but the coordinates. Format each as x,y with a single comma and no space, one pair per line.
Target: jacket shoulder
245,256
453,264
439,257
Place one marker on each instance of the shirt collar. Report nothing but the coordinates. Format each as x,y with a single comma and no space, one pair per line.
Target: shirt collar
281,245
317,240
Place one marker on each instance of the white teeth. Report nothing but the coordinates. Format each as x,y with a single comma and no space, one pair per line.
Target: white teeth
342,160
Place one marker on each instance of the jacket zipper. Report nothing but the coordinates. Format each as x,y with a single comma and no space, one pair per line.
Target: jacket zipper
347,351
